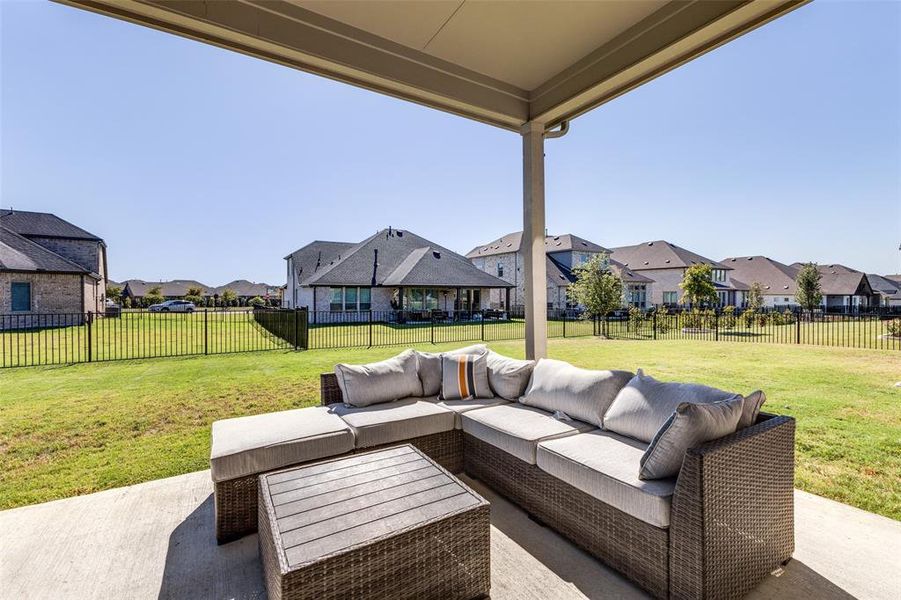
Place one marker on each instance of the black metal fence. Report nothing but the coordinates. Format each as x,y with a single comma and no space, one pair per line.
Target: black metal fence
27,340
50,339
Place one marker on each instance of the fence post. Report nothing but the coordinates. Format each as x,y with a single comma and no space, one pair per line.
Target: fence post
716,325
90,322
482,320
564,322
432,326
654,323
798,327
370,328
296,328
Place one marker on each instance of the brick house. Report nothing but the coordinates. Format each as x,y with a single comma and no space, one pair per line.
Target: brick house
564,253
666,264
49,266
393,270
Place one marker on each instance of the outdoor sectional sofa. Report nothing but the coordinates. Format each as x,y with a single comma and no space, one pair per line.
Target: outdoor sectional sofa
714,531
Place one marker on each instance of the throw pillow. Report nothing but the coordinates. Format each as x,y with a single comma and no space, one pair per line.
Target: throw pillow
644,405
508,377
430,367
384,381
464,377
582,394
751,409
689,425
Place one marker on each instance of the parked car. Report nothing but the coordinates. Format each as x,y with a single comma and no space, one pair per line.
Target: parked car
173,306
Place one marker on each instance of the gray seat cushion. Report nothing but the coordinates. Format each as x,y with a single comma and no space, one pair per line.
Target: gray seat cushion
605,465
461,406
517,429
259,443
582,394
396,421
383,381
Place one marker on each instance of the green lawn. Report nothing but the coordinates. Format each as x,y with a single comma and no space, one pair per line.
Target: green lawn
78,429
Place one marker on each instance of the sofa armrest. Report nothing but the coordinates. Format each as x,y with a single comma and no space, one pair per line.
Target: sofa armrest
329,392
732,520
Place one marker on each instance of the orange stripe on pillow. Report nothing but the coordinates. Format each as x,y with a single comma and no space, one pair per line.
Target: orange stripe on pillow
461,377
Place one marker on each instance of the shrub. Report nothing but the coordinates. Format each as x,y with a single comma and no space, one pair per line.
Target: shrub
698,319
749,317
788,317
663,320
893,327
126,303
636,319
257,302
727,319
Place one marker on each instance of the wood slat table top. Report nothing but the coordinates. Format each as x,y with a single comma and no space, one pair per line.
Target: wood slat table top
337,505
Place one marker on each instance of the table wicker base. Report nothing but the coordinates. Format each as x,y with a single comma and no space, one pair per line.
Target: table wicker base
385,524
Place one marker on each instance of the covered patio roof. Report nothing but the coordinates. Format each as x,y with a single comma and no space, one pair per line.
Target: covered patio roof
527,67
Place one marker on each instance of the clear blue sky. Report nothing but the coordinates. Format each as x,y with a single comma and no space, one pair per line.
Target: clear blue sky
194,162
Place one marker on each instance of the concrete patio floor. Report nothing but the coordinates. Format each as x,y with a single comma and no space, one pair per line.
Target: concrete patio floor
155,540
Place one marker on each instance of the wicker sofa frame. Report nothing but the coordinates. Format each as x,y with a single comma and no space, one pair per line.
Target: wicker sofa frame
731,521
235,500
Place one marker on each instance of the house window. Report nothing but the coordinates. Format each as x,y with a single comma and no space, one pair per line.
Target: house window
500,269
21,296
350,299
670,297
719,275
421,299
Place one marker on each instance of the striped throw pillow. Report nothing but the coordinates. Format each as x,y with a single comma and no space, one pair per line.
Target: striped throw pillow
465,377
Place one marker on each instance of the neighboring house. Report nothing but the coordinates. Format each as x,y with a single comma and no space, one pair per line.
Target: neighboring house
776,279
392,270
887,290
247,290
844,289
49,266
503,258
175,289
666,263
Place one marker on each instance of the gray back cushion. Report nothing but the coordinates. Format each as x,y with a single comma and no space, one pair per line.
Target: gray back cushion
384,381
751,408
508,377
582,394
688,426
430,367
643,406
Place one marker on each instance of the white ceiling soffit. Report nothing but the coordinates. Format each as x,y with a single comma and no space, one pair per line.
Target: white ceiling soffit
500,62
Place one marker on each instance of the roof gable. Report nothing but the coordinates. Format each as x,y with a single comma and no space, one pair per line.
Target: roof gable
660,254
512,242
17,253
37,224
316,257
774,277
397,257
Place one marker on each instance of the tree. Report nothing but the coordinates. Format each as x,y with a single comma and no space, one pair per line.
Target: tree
597,288
114,293
257,302
153,296
127,302
228,297
697,285
195,295
809,293
755,297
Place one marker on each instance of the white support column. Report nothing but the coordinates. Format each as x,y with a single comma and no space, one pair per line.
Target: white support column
533,245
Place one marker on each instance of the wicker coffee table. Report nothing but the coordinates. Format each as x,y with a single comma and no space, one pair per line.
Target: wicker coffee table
384,524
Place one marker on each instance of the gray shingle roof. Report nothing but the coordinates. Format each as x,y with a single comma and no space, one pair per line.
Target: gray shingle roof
774,277
17,253
552,243
659,254
243,287
317,256
173,288
37,224
885,286
401,258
